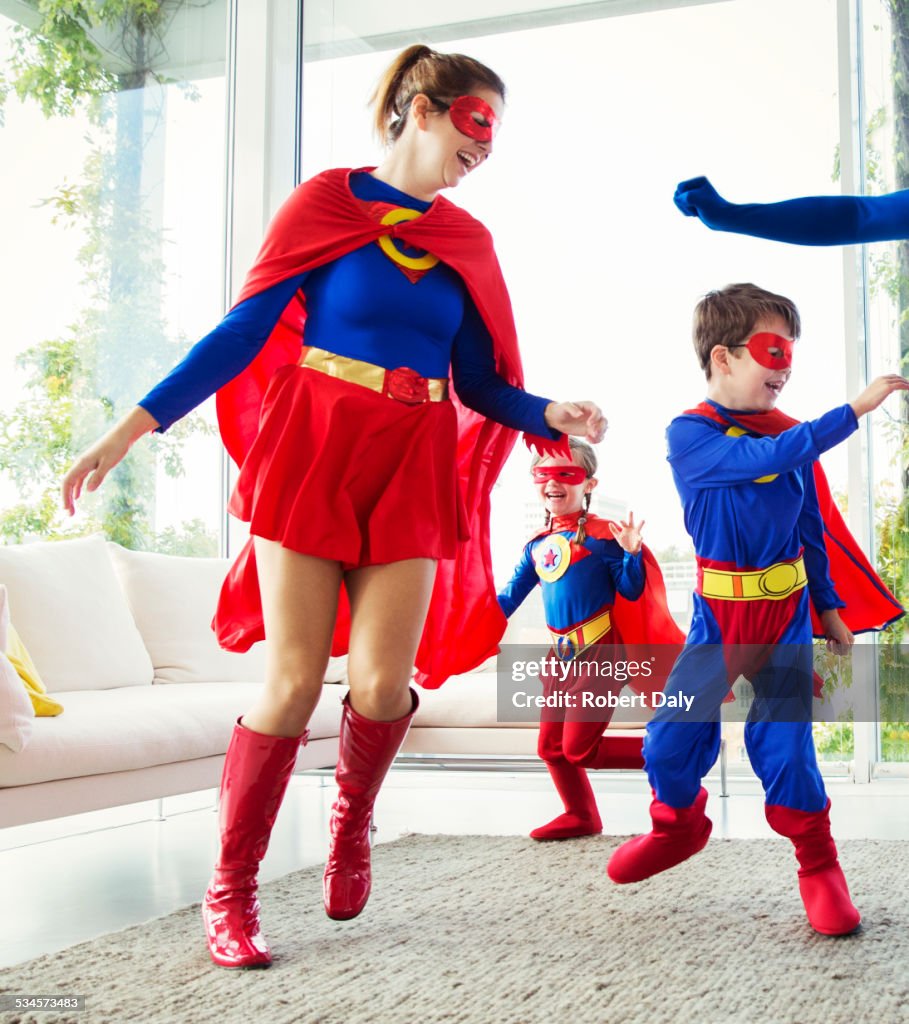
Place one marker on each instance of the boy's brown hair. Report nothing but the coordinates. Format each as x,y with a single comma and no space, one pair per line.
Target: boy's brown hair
728,316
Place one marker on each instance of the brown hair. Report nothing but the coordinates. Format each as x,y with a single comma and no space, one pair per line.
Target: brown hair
437,75
728,316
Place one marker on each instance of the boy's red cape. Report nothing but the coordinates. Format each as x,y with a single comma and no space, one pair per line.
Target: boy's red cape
320,222
869,603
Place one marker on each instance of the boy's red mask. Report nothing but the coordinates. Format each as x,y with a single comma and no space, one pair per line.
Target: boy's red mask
761,347
474,118
561,474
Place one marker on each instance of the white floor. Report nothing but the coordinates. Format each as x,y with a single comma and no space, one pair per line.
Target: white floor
76,878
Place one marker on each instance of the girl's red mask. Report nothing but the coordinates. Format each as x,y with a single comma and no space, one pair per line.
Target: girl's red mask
561,474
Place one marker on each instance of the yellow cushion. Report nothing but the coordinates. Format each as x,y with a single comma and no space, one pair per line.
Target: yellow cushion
23,664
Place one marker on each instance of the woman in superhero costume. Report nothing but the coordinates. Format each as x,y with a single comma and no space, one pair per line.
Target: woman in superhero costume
364,479
601,586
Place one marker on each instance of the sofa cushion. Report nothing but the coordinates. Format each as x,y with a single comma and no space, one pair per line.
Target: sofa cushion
140,726
16,711
464,702
72,615
173,599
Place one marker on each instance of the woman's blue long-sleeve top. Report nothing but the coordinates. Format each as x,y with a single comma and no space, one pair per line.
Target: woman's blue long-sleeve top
362,306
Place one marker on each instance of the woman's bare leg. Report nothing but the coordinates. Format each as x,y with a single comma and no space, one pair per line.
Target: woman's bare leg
299,602
388,606
299,605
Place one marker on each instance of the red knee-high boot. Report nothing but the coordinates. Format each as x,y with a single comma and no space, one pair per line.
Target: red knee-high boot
822,884
256,771
581,817
365,753
678,833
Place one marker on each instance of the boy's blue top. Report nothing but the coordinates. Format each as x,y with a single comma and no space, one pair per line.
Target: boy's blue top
811,220
752,500
362,306
597,570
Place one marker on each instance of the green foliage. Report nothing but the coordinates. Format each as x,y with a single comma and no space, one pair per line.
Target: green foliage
77,384
59,63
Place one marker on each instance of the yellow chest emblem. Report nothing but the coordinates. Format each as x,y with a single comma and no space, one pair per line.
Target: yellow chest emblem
552,557
425,262
738,432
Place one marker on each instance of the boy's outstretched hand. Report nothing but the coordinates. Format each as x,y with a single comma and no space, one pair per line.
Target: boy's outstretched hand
839,636
581,419
877,391
628,534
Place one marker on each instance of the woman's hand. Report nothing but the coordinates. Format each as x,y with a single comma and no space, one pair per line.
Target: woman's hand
93,465
877,391
581,419
628,534
839,636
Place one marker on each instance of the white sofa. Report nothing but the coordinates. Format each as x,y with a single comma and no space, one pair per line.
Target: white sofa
122,640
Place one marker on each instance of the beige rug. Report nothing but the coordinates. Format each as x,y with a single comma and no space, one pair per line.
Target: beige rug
501,930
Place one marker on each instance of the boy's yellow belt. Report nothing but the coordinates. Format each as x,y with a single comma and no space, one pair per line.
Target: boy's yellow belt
569,645
772,584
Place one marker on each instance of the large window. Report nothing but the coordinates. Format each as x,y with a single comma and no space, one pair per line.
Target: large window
113,263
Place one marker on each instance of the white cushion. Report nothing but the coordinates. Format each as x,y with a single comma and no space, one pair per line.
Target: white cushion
16,710
140,726
72,616
173,599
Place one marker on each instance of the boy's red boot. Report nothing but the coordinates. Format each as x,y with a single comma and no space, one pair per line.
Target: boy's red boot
678,833
581,817
365,753
822,884
256,771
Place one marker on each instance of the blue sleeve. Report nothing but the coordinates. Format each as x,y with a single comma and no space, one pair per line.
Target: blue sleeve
480,388
627,570
817,565
220,355
523,580
812,220
703,456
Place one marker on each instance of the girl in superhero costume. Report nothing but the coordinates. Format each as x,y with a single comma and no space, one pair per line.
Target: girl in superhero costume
757,508
361,472
600,586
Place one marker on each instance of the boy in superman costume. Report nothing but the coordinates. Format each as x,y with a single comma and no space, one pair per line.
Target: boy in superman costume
809,220
601,589
747,477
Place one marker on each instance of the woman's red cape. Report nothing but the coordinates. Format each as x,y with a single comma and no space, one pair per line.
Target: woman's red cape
869,603
320,222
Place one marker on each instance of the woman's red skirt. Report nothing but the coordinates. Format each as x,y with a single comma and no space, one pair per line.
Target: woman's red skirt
343,473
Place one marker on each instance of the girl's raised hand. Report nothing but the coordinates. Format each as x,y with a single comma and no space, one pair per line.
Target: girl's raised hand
628,534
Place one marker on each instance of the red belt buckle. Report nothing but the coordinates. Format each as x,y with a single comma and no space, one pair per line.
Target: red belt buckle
406,385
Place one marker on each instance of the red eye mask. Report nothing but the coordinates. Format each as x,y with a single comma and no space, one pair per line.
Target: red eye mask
763,348
474,118
561,474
